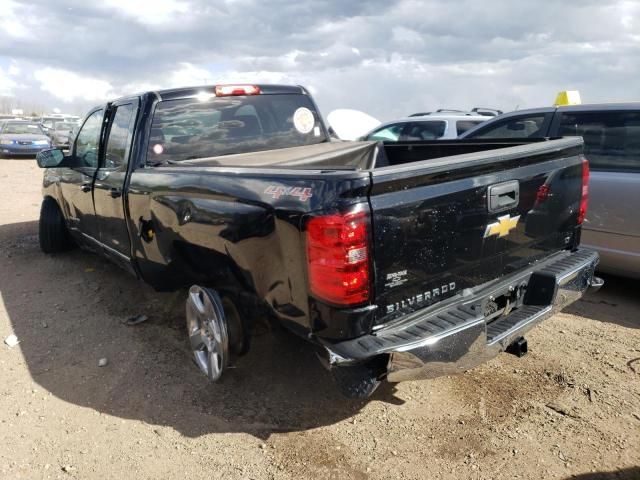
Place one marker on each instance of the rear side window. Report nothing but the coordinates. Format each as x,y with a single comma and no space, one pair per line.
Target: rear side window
464,125
430,130
531,126
191,128
611,139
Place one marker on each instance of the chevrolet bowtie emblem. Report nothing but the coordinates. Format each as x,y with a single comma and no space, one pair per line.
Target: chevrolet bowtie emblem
502,227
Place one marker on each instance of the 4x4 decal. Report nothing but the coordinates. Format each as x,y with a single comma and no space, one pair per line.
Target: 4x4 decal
277,191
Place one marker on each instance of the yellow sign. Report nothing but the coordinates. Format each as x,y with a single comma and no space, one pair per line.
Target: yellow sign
502,227
568,97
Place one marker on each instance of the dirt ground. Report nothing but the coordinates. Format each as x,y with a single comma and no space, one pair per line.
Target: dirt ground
569,409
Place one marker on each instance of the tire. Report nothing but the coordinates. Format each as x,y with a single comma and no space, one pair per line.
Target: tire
53,233
360,381
207,331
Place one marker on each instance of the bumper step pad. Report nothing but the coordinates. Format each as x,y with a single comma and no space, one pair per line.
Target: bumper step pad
569,272
501,327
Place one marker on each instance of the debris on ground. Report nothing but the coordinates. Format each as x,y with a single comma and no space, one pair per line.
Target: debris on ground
631,362
103,362
136,320
561,409
11,341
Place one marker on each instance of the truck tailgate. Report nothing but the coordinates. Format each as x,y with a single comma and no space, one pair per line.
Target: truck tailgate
445,225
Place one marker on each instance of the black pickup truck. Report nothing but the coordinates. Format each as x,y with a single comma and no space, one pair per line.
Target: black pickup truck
395,261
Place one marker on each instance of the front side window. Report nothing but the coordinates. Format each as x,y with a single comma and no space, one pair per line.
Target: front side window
531,126
611,139
387,134
117,150
88,140
190,128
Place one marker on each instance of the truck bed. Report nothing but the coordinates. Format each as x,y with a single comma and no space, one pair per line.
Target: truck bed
355,155
427,217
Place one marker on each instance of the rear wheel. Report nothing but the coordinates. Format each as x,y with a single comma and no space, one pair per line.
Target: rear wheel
207,330
216,331
53,234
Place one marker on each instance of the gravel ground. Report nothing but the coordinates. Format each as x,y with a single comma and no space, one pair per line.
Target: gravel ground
569,409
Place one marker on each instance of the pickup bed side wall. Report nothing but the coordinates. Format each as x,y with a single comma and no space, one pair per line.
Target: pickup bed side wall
233,229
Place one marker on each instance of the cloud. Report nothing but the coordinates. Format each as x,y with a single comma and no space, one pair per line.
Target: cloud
69,86
12,23
388,58
149,12
7,84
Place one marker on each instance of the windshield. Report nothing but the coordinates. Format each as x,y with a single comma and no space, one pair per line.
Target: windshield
188,129
19,128
65,126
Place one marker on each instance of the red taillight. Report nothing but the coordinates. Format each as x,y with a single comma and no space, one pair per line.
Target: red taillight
231,90
542,194
584,200
338,256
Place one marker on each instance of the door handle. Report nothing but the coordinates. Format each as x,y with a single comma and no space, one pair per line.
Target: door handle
85,187
504,196
115,192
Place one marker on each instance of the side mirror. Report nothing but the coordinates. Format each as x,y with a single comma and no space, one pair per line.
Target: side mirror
50,158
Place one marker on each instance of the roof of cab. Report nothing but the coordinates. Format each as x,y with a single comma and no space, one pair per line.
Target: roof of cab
265,89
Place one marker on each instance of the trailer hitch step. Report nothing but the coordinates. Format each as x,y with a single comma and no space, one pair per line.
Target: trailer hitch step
518,348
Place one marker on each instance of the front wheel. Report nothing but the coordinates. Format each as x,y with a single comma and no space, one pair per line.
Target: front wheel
53,234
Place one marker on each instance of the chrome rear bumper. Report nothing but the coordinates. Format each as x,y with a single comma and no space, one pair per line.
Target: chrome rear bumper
457,337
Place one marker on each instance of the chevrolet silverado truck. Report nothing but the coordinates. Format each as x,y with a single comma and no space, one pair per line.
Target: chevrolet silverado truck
399,261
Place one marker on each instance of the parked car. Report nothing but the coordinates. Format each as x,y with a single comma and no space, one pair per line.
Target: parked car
61,133
611,134
487,112
396,261
20,138
431,126
48,121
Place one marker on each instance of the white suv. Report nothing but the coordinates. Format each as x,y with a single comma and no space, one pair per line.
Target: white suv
440,125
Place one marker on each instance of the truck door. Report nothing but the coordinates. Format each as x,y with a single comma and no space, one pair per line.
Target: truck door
109,185
612,146
76,183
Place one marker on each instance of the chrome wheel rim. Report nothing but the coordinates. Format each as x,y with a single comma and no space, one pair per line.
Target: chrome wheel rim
207,329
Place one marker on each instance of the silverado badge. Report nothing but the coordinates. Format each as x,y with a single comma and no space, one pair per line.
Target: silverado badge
502,227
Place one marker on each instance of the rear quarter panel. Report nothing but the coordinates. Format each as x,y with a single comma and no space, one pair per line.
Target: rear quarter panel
210,223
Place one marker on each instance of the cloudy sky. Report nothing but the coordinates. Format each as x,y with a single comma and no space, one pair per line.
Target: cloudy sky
388,58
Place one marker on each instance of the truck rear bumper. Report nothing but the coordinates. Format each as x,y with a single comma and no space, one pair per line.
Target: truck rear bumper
459,336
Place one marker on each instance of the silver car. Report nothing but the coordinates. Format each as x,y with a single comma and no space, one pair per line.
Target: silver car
61,133
611,134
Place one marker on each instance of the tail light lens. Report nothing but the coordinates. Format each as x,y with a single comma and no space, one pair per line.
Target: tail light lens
233,90
542,194
338,257
584,200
